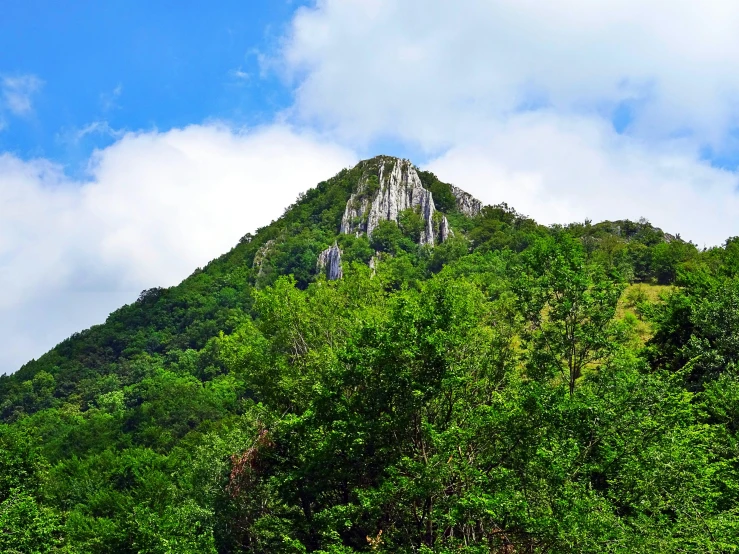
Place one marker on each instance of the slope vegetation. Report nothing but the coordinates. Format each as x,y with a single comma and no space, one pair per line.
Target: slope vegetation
469,381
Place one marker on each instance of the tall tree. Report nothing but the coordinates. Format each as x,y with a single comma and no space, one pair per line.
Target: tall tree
568,305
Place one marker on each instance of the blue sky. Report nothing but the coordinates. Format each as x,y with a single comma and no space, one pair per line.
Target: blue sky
107,67
139,140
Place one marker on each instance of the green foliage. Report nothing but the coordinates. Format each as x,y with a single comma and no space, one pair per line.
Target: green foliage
389,237
411,223
485,395
442,194
355,249
25,524
668,257
448,252
569,308
499,227
27,527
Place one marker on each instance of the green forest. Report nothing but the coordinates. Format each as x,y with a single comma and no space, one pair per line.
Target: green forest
517,388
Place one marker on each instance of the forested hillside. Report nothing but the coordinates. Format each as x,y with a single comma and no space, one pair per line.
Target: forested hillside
470,381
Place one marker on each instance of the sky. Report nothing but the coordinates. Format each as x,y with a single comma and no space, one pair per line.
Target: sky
139,140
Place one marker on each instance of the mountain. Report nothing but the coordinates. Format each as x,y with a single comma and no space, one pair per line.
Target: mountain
393,367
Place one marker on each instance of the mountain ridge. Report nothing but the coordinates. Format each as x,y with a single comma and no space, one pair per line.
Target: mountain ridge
443,377
351,182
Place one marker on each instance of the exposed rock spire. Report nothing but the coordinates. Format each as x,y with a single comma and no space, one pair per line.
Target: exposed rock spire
330,261
444,230
261,256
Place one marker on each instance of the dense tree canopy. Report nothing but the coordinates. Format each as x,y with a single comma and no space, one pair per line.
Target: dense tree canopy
517,388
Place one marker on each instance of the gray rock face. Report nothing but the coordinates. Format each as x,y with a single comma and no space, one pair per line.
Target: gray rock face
330,261
399,189
466,203
353,220
444,230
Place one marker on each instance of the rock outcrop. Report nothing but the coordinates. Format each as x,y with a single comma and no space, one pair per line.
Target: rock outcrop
391,185
330,261
261,256
466,203
387,187
444,230
373,264
399,189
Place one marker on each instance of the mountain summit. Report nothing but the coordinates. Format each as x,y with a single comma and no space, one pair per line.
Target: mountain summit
381,189
386,189
390,185
383,192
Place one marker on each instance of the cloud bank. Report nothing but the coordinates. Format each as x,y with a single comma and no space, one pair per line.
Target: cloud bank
428,70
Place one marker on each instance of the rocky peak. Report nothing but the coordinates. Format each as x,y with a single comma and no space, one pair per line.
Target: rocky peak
261,256
390,186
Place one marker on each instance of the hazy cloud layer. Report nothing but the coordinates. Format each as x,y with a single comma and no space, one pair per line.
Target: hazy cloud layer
18,91
157,206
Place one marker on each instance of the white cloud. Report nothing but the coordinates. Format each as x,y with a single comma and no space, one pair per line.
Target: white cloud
100,127
157,206
18,93
560,170
239,74
426,70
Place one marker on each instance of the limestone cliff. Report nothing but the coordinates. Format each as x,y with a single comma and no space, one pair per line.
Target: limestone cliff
383,195
330,261
466,203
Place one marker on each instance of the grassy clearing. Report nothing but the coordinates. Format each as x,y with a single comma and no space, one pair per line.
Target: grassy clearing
630,301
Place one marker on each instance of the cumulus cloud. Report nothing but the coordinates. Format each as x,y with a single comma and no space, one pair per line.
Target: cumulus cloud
426,70
156,206
18,93
562,169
